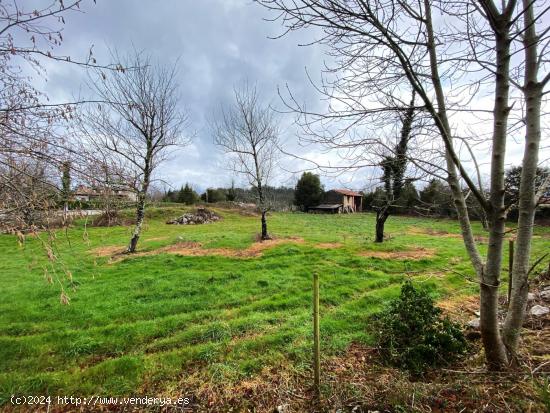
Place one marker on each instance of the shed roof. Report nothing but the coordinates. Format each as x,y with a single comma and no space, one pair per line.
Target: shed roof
346,192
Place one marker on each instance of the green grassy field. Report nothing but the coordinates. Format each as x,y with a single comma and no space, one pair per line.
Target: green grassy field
143,324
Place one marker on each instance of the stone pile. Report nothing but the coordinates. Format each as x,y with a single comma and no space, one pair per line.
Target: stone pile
538,307
200,216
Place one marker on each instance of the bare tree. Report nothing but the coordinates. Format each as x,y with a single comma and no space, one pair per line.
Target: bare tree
534,87
27,192
473,49
140,120
34,143
247,131
30,38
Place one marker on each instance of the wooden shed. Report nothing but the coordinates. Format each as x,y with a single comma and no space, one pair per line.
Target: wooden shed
340,200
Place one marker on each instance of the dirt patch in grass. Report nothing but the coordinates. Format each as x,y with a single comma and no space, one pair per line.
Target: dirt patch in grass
249,213
194,249
460,308
255,250
329,245
431,231
411,254
108,251
174,248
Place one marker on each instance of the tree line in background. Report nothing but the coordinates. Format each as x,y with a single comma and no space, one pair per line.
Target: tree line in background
280,198
433,200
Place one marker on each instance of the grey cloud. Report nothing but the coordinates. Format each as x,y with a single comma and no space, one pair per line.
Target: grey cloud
219,43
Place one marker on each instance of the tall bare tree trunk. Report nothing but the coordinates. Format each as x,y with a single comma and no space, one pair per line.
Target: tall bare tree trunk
527,205
140,215
140,207
495,351
490,278
248,133
261,199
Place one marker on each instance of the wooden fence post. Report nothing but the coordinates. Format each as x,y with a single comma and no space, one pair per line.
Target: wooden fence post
316,343
510,267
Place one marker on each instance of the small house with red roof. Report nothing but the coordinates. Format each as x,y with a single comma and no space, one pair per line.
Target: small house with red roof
338,201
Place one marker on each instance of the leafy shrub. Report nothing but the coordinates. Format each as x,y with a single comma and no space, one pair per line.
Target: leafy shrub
412,333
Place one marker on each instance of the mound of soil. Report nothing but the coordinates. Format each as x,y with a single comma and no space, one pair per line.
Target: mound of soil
200,216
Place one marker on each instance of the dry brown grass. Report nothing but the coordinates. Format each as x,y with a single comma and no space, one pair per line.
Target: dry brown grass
108,251
431,231
411,254
461,308
359,381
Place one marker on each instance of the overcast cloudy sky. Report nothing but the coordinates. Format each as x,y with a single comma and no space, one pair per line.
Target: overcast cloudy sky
219,44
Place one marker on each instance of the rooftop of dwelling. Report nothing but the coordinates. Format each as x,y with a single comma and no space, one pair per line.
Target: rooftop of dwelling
346,192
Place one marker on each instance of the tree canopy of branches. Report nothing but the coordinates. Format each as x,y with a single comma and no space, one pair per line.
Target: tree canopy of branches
472,49
139,119
512,184
31,34
26,195
247,131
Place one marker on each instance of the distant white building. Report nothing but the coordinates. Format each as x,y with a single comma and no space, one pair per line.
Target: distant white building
86,193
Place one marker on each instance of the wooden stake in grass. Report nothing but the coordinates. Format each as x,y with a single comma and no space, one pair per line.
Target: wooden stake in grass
510,267
316,344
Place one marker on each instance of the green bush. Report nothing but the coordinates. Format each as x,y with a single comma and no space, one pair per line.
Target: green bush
413,335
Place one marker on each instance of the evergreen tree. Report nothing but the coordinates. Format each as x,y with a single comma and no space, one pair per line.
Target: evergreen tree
187,195
180,195
437,197
408,198
213,195
231,192
308,192
513,179
170,196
